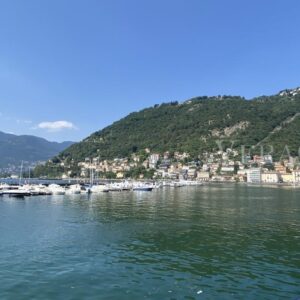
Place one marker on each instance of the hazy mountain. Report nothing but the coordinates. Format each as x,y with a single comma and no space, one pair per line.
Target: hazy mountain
15,148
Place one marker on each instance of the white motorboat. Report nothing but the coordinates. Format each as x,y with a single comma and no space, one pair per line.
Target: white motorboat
191,182
157,185
4,186
42,189
95,189
56,189
144,187
115,187
74,189
18,192
176,184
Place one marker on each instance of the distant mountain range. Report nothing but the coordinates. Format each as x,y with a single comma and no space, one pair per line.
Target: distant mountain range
17,148
195,126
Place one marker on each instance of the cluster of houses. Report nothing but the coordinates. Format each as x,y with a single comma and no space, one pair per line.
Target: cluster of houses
222,166
13,170
280,174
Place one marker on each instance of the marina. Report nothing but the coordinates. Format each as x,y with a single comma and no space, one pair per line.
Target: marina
62,188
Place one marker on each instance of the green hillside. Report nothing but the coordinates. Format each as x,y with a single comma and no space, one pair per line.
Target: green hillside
195,125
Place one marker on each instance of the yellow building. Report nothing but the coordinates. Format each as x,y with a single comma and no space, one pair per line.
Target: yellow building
287,177
203,176
279,168
120,175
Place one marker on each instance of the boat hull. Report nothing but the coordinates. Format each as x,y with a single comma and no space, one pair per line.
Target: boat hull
143,189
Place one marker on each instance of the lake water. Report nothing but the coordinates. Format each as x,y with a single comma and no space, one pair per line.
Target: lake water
207,242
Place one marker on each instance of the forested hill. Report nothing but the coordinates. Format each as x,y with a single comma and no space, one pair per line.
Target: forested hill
194,126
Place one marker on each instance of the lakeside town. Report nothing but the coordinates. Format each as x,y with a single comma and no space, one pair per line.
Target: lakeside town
221,166
146,170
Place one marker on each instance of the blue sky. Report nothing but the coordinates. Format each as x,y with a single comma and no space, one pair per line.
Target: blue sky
88,63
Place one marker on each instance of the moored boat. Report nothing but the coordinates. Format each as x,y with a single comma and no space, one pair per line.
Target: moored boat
143,187
176,184
56,189
16,193
115,187
74,189
95,189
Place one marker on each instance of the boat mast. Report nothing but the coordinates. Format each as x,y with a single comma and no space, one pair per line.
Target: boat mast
21,171
29,175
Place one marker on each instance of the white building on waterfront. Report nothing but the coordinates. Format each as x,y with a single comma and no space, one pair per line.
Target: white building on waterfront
270,177
254,175
296,176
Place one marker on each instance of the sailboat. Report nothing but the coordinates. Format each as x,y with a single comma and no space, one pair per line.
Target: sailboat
19,191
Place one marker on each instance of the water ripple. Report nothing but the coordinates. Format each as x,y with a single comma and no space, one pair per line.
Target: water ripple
210,242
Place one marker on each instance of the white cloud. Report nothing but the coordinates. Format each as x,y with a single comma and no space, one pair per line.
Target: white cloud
56,126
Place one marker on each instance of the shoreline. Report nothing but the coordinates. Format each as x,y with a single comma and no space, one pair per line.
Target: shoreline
70,181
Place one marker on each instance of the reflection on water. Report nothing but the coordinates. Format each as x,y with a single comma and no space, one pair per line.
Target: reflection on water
209,242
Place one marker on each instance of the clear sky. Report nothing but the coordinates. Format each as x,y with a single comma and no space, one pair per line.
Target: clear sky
88,63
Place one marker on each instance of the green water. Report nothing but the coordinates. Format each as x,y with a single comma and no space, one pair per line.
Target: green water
208,242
